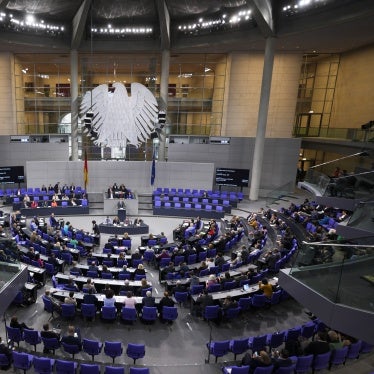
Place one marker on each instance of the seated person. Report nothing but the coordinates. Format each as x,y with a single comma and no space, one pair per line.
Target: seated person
109,299
281,359
165,301
47,333
70,299
17,325
129,301
256,360
89,285
4,350
90,298
140,270
116,221
148,300
266,287
72,338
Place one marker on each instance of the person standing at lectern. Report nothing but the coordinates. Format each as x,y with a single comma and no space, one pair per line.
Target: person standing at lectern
121,204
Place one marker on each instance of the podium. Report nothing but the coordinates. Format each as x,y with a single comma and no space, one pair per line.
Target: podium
121,214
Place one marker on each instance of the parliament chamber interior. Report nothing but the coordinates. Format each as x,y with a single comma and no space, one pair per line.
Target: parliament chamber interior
186,186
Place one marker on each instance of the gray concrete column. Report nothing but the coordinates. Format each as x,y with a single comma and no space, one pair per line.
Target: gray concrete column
262,118
164,94
74,103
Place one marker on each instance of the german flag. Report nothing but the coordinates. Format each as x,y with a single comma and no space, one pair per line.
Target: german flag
85,170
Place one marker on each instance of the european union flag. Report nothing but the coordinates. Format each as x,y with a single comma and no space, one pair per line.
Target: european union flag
153,170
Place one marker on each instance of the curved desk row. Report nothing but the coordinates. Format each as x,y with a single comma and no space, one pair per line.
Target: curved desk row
187,212
58,210
121,229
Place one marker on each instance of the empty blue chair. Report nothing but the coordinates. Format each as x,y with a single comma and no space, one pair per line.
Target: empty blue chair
68,311
4,362
275,340
338,356
293,333
218,348
321,361
149,314
303,364
14,335
50,344
198,206
22,361
65,367
231,313
129,315
181,297
257,343
354,350
32,337
43,365
139,370
108,313
113,349
92,347
88,311
73,349
211,312
135,351
114,370
245,303
258,301
89,369
308,330
169,313
238,346
366,347
196,289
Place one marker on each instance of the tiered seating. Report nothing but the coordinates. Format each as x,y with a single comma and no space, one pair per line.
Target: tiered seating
25,361
268,342
185,202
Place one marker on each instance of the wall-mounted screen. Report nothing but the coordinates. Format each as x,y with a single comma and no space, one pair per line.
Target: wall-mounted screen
12,174
232,177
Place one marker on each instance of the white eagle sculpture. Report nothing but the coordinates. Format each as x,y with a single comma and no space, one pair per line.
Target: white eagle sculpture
119,119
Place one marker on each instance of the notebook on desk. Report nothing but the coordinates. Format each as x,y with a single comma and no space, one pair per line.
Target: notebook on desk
246,287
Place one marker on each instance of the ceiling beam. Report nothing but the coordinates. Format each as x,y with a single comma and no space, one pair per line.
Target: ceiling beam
79,24
164,19
262,11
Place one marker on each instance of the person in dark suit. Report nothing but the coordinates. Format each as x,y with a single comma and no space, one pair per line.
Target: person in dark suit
318,346
165,301
17,325
121,204
148,300
72,338
204,300
90,298
47,333
7,352
281,359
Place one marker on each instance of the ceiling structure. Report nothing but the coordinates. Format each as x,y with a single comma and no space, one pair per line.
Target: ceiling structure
191,26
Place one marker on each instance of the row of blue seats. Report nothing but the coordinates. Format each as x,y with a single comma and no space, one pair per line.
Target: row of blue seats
36,191
194,200
199,193
46,198
45,365
277,339
208,207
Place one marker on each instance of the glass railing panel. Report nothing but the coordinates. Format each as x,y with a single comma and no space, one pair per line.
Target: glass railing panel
340,272
8,270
